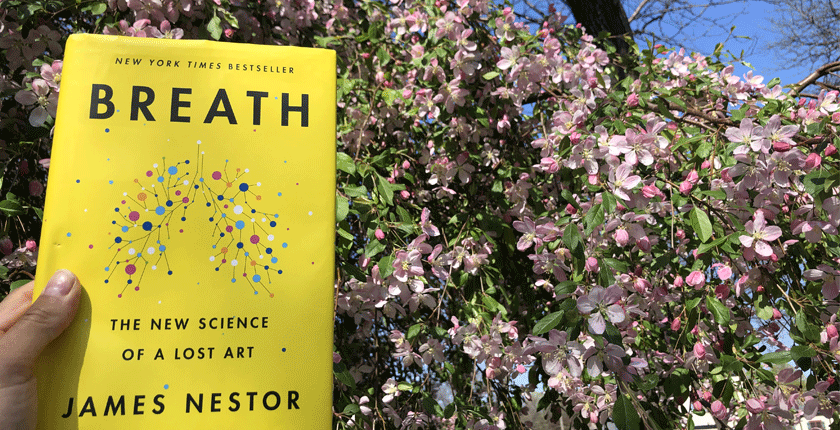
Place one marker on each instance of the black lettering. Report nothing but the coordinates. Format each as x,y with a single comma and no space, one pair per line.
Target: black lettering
293,398
276,400
233,399
161,406
201,324
111,406
198,405
136,61
251,396
96,100
215,399
181,324
177,104
137,105
258,96
88,408
69,409
221,98
303,109
138,403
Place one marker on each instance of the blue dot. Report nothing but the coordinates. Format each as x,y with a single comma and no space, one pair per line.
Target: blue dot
166,387
221,235
147,226
276,215
224,215
172,170
285,245
273,260
211,219
256,292
269,250
124,229
183,218
108,130
200,179
113,222
106,281
284,349
217,269
162,248
253,211
117,239
111,182
243,187
160,210
196,186
116,209
231,200
187,161
160,178
279,272
246,254
233,280
107,269
214,247
221,198
256,278
77,181
208,204
169,203
68,234
240,224
273,223
265,267
240,245
129,281
279,194
169,272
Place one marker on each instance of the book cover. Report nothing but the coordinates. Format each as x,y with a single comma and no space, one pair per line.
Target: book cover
192,191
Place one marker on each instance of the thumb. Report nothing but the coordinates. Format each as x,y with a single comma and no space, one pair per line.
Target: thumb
48,316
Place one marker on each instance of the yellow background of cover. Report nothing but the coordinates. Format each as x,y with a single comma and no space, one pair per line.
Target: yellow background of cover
297,162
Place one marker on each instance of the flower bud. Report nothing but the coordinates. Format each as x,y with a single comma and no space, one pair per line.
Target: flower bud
759,288
571,210
813,161
406,164
31,246
777,314
405,194
696,279
591,265
643,244
680,234
831,331
781,146
697,405
699,350
621,237
632,100
830,150
718,410
705,165
675,324
379,234
755,405
678,281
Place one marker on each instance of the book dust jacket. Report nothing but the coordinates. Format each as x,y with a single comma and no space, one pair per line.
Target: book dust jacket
192,191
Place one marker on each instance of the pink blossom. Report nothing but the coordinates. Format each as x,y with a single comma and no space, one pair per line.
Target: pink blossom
407,264
759,234
696,279
632,100
621,181
379,234
31,245
600,302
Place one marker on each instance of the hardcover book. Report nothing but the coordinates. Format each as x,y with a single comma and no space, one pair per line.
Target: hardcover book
192,191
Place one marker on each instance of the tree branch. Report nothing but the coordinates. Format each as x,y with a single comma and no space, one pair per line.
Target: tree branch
822,71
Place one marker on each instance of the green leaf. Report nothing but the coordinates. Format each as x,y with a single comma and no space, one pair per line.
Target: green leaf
17,284
624,415
493,305
385,190
345,163
490,76
573,241
373,248
342,208
765,312
547,323
565,287
594,218
96,8
707,246
700,222
360,191
718,309
778,357
609,202
386,266
800,351
413,331
215,27
342,374
39,212
11,208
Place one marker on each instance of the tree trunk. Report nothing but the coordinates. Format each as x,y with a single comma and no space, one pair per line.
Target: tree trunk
603,15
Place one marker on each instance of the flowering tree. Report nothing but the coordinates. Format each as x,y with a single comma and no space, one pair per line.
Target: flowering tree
638,239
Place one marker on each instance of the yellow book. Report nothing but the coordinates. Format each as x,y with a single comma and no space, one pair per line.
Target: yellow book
192,191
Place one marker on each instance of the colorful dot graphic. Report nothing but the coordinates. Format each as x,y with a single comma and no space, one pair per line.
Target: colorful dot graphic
241,234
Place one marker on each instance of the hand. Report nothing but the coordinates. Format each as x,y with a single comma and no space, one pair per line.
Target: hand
25,329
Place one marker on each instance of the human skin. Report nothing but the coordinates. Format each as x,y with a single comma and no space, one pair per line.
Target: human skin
26,328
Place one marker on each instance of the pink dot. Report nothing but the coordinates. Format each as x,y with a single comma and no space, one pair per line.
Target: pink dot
226,206
178,193
287,228
255,129
90,246
217,175
134,216
119,295
136,288
123,202
229,228
313,262
297,183
245,274
185,199
130,269
255,239
181,231
224,260
149,173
